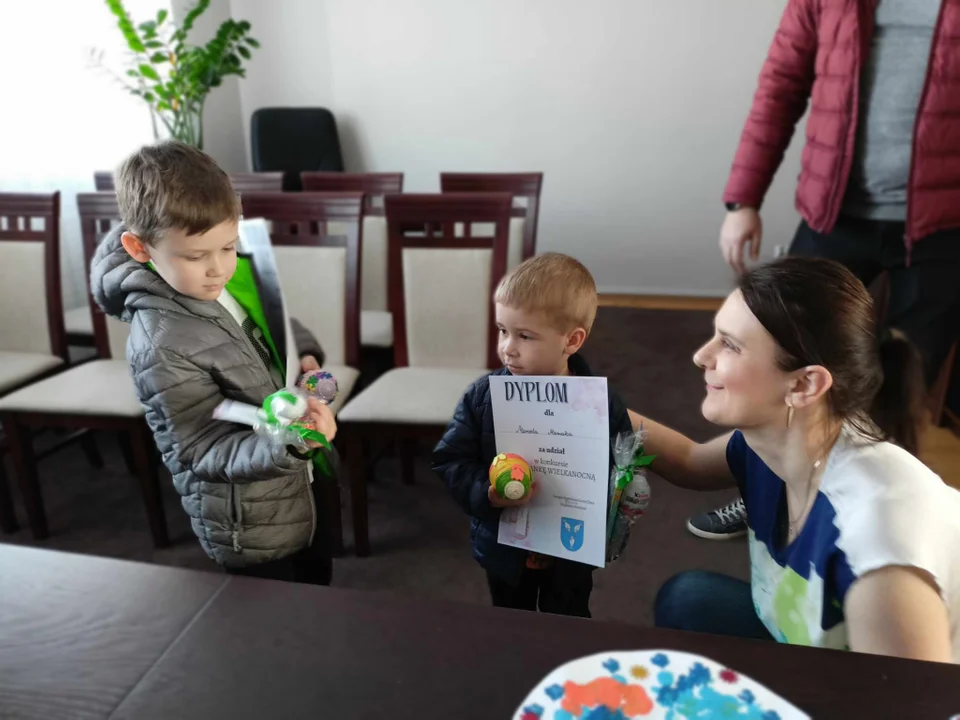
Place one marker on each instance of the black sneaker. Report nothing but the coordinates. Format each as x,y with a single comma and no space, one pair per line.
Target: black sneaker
721,524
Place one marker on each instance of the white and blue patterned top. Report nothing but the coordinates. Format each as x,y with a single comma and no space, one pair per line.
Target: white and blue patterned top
877,506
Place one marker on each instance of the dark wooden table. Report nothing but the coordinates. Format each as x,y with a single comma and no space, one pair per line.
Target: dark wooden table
84,637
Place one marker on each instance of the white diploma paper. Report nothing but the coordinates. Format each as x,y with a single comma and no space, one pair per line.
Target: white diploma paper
561,427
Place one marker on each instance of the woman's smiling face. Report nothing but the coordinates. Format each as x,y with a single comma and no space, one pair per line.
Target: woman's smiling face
745,386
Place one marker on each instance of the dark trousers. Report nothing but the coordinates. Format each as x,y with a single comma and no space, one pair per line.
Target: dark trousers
548,590
707,602
311,565
924,297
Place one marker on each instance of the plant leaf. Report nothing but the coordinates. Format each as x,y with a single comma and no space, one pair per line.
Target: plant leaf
157,58
253,43
243,52
161,16
148,72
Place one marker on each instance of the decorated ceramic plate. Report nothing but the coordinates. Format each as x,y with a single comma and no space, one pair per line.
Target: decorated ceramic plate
651,684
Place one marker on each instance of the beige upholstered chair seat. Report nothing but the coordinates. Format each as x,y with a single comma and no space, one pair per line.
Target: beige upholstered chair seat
78,321
17,368
99,387
346,378
376,328
411,396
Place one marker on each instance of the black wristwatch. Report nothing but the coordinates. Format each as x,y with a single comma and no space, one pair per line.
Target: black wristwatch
733,207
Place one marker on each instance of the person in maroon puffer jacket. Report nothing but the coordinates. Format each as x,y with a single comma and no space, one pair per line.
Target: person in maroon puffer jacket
879,186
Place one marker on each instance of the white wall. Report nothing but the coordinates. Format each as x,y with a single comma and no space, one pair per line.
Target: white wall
631,108
62,119
292,67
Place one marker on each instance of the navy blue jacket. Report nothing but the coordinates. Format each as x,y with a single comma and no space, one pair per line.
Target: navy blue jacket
462,459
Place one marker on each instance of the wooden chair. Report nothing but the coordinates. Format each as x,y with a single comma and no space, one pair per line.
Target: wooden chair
525,188
376,324
441,287
32,340
95,395
319,271
242,182
319,275
103,181
257,182
78,321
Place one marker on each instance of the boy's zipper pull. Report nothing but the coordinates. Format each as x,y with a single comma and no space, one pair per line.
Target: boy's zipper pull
236,541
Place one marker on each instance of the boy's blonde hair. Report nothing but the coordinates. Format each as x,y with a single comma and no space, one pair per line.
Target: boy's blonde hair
172,185
555,285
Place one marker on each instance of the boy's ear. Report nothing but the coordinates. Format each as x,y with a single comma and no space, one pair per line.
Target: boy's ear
575,341
135,247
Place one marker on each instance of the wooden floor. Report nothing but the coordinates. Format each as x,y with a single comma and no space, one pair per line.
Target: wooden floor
940,447
940,450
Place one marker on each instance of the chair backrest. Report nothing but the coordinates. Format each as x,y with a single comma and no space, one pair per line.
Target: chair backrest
374,186
525,188
31,304
319,270
294,140
441,285
242,182
99,213
257,182
103,181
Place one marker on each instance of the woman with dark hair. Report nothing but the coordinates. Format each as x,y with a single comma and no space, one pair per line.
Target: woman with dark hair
854,543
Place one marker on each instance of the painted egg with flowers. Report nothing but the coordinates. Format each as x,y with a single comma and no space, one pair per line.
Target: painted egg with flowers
511,476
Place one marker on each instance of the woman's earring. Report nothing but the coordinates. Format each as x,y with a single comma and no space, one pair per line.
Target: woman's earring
789,415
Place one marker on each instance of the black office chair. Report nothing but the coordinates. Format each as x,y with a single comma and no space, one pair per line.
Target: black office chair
294,140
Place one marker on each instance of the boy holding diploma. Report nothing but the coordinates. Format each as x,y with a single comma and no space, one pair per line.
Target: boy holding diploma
545,309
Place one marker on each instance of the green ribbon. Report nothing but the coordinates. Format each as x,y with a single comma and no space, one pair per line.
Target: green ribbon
307,433
625,473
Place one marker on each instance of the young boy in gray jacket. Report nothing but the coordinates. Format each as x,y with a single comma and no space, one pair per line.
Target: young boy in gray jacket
201,333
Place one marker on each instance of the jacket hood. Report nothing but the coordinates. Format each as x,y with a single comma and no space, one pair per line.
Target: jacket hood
121,285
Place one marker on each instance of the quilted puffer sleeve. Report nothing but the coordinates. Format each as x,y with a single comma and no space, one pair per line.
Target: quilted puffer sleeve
782,93
306,341
457,460
179,399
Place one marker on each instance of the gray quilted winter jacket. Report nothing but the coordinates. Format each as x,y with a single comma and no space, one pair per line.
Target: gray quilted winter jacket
249,501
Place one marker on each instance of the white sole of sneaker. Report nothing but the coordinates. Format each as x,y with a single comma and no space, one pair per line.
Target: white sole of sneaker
714,536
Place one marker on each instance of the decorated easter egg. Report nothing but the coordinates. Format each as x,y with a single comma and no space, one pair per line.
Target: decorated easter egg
511,476
321,385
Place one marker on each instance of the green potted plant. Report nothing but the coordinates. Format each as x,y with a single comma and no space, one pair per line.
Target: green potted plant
173,77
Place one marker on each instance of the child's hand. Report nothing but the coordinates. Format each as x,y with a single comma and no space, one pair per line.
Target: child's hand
308,363
321,417
502,502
